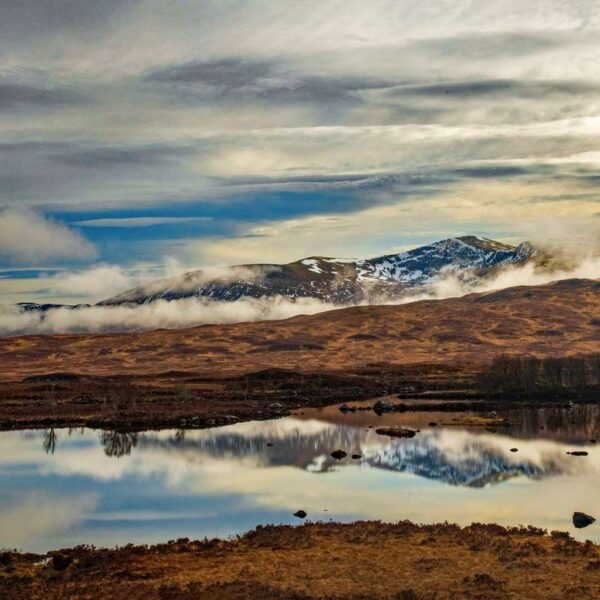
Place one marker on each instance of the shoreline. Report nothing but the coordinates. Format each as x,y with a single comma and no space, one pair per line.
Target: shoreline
184,401
163,411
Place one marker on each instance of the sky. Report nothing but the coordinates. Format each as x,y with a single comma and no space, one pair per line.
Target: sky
143,138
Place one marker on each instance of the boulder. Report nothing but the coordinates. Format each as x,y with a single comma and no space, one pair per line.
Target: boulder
381,407
339,454
578,453
581,520
300,514
400,432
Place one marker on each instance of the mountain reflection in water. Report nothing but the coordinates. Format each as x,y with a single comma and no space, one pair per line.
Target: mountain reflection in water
63,487
447,455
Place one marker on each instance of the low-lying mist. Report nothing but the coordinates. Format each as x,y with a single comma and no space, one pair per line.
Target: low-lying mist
453,285
156,315
197,311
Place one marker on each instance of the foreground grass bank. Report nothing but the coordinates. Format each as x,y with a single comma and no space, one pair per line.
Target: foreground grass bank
321,560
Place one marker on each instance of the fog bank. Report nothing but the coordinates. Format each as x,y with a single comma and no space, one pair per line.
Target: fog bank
157,315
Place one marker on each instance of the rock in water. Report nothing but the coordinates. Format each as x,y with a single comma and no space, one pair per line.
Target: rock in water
356,456
581,520
382,407
578,453
400,432
514,449
300,514
338,454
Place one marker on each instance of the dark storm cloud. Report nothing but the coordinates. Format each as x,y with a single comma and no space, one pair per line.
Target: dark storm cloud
19,96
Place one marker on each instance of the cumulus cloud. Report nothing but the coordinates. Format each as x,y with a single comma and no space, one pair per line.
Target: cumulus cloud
98,281
101,281
27,236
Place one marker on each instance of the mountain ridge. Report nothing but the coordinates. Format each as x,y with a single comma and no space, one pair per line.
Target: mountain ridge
341,281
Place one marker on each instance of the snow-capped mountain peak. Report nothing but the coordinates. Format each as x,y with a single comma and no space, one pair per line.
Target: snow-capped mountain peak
342,281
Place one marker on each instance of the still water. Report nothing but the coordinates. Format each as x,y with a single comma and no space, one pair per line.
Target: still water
64,487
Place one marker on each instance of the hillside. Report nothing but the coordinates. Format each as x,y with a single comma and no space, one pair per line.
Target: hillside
555,319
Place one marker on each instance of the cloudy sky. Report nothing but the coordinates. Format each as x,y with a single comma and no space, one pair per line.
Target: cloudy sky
143,137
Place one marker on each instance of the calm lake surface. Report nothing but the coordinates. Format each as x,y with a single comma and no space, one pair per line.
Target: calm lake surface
64,487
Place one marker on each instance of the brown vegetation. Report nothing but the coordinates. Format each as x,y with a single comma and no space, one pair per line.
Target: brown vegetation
222,371
357,561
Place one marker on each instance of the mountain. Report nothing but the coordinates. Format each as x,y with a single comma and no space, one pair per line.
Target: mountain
341,281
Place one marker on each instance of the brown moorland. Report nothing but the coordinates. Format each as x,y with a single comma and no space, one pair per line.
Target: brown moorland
239,370
356,561
556,319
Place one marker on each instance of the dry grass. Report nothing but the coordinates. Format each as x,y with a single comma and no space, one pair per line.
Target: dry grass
361,560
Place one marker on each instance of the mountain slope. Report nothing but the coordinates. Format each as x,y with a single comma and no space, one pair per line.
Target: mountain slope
557,319
341,281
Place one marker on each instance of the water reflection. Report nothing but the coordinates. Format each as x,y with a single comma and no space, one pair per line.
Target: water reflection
49,443
118,444
82,486
451,456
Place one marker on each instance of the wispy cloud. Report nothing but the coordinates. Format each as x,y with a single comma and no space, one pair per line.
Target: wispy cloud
114,111
139,221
